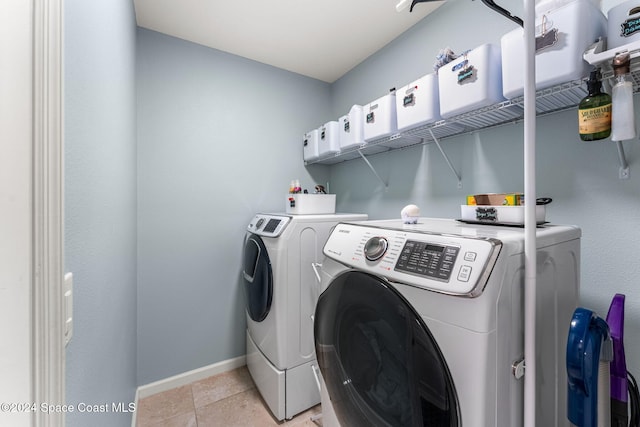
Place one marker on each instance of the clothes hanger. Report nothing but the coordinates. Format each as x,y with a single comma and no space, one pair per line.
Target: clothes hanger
489,3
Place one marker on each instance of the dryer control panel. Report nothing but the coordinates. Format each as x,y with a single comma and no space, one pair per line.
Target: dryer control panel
268,225
452,264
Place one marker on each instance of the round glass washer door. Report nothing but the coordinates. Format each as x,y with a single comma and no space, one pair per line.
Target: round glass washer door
258,278
380,363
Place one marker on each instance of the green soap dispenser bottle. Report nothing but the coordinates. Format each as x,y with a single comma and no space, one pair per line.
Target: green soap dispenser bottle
594,111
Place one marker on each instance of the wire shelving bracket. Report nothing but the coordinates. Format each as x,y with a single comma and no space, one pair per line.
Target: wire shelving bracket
373,169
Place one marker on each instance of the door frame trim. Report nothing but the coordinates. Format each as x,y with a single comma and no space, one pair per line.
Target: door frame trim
48,357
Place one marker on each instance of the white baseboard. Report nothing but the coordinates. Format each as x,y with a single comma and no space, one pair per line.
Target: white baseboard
190,376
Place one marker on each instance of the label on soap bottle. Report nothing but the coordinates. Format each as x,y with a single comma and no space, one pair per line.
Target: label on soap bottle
594,120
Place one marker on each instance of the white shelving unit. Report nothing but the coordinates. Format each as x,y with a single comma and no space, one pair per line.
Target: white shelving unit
557,98
550,100
598,56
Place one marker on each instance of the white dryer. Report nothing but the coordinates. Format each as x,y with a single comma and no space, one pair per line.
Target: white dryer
281,291
421,325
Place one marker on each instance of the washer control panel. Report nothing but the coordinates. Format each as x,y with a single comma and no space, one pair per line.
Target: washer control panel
427,259
268,225
452,264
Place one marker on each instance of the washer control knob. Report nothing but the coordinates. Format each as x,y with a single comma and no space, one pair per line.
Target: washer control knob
259,223
375,248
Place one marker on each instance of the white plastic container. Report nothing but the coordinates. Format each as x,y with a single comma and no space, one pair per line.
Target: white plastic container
328,139
351,128
380,118
509,215
623,24
309,204
418,103
310,146
562,36
471,81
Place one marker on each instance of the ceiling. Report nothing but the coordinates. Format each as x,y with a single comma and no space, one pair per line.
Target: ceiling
322,39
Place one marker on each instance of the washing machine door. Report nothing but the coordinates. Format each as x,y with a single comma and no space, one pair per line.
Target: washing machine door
380,363
258,278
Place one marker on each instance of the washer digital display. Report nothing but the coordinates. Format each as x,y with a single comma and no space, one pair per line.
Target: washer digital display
272,225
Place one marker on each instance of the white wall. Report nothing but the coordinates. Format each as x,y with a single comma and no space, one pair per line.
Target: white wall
15,208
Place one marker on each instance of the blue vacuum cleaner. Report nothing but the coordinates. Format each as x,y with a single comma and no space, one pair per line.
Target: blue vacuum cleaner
586,334
592,343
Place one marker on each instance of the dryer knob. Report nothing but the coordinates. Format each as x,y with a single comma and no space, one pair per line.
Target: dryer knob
375,248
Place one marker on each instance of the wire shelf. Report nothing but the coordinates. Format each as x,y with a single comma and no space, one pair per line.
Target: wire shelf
557,98
490,116
440,129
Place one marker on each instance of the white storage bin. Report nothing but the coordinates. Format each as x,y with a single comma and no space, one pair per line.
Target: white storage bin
310,146
351,128
623,24
574,27
509,215
328,139
471,81
380,118
308,204
418,103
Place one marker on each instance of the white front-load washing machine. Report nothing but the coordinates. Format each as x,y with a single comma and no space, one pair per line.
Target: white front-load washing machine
422,325
281,291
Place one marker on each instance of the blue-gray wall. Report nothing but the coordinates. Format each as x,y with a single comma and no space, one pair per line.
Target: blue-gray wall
100,205
582,178
219,139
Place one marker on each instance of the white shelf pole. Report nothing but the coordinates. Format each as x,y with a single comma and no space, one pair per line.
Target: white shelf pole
530,247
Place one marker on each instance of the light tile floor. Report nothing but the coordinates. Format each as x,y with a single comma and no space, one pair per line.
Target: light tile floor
229,399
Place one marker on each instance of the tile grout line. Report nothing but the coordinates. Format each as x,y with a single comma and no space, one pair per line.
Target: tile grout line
227,396
193,402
